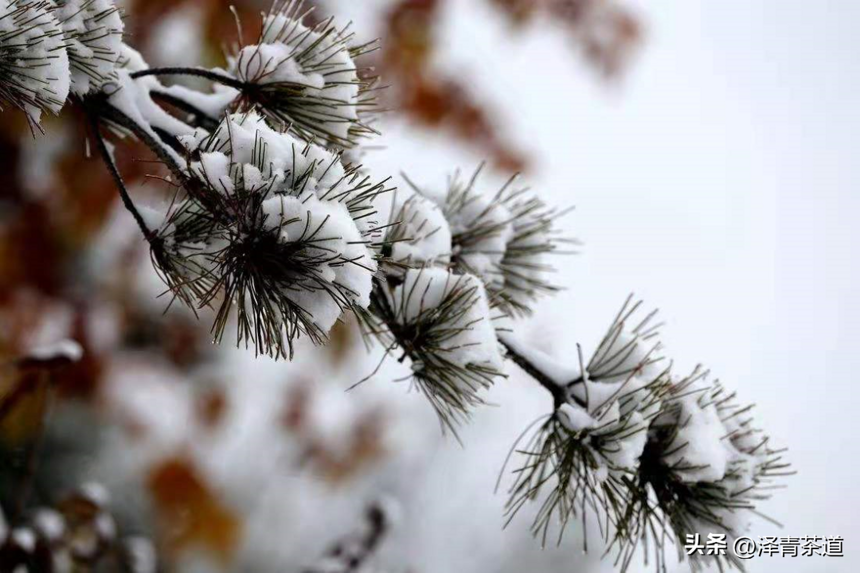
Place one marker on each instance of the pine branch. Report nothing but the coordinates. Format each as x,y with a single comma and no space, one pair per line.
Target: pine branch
193,72
383,310
431,327
631,453
117,177
102,109
559,393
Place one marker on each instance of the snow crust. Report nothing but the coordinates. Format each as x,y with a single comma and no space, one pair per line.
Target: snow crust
620,400
703,454
291,217
287,158
619,412
715,444
501,237
560,373
274,64
213,104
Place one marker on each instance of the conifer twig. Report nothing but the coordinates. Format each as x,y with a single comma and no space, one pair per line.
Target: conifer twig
105,110
559,392
117,177
194,72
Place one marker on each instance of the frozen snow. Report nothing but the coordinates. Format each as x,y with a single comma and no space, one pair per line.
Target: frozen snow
482,226
326,69
561,374
352,269
93,31
703,453
287,158
422,232
67,349
41,73
273,64
213,104
618,416
618,407
304,191
133,98
475,342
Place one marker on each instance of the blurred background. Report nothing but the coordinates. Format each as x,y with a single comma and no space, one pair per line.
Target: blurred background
709,151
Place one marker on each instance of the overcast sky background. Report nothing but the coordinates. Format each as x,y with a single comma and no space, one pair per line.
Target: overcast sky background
719,182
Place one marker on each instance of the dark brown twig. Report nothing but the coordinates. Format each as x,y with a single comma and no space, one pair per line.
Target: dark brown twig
194,72
559,393
117,177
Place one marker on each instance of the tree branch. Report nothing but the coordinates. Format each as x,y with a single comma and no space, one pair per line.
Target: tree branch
559,392
102,108
117,177
560,395
194,72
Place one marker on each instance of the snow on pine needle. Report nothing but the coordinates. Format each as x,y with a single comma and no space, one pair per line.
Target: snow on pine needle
583,452
273,232
34,62
441,321
419,234
654,456
704,469
93,31
502,237
306,78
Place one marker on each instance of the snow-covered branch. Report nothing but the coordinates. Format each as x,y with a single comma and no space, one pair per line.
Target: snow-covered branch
280,235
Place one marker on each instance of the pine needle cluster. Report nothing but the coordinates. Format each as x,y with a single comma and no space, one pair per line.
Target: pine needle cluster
272,231
441,322
503,237
656,459
34,64
93,32
678,493
305,78
583,452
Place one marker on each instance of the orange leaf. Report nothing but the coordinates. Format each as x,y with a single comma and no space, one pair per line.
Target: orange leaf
191,515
